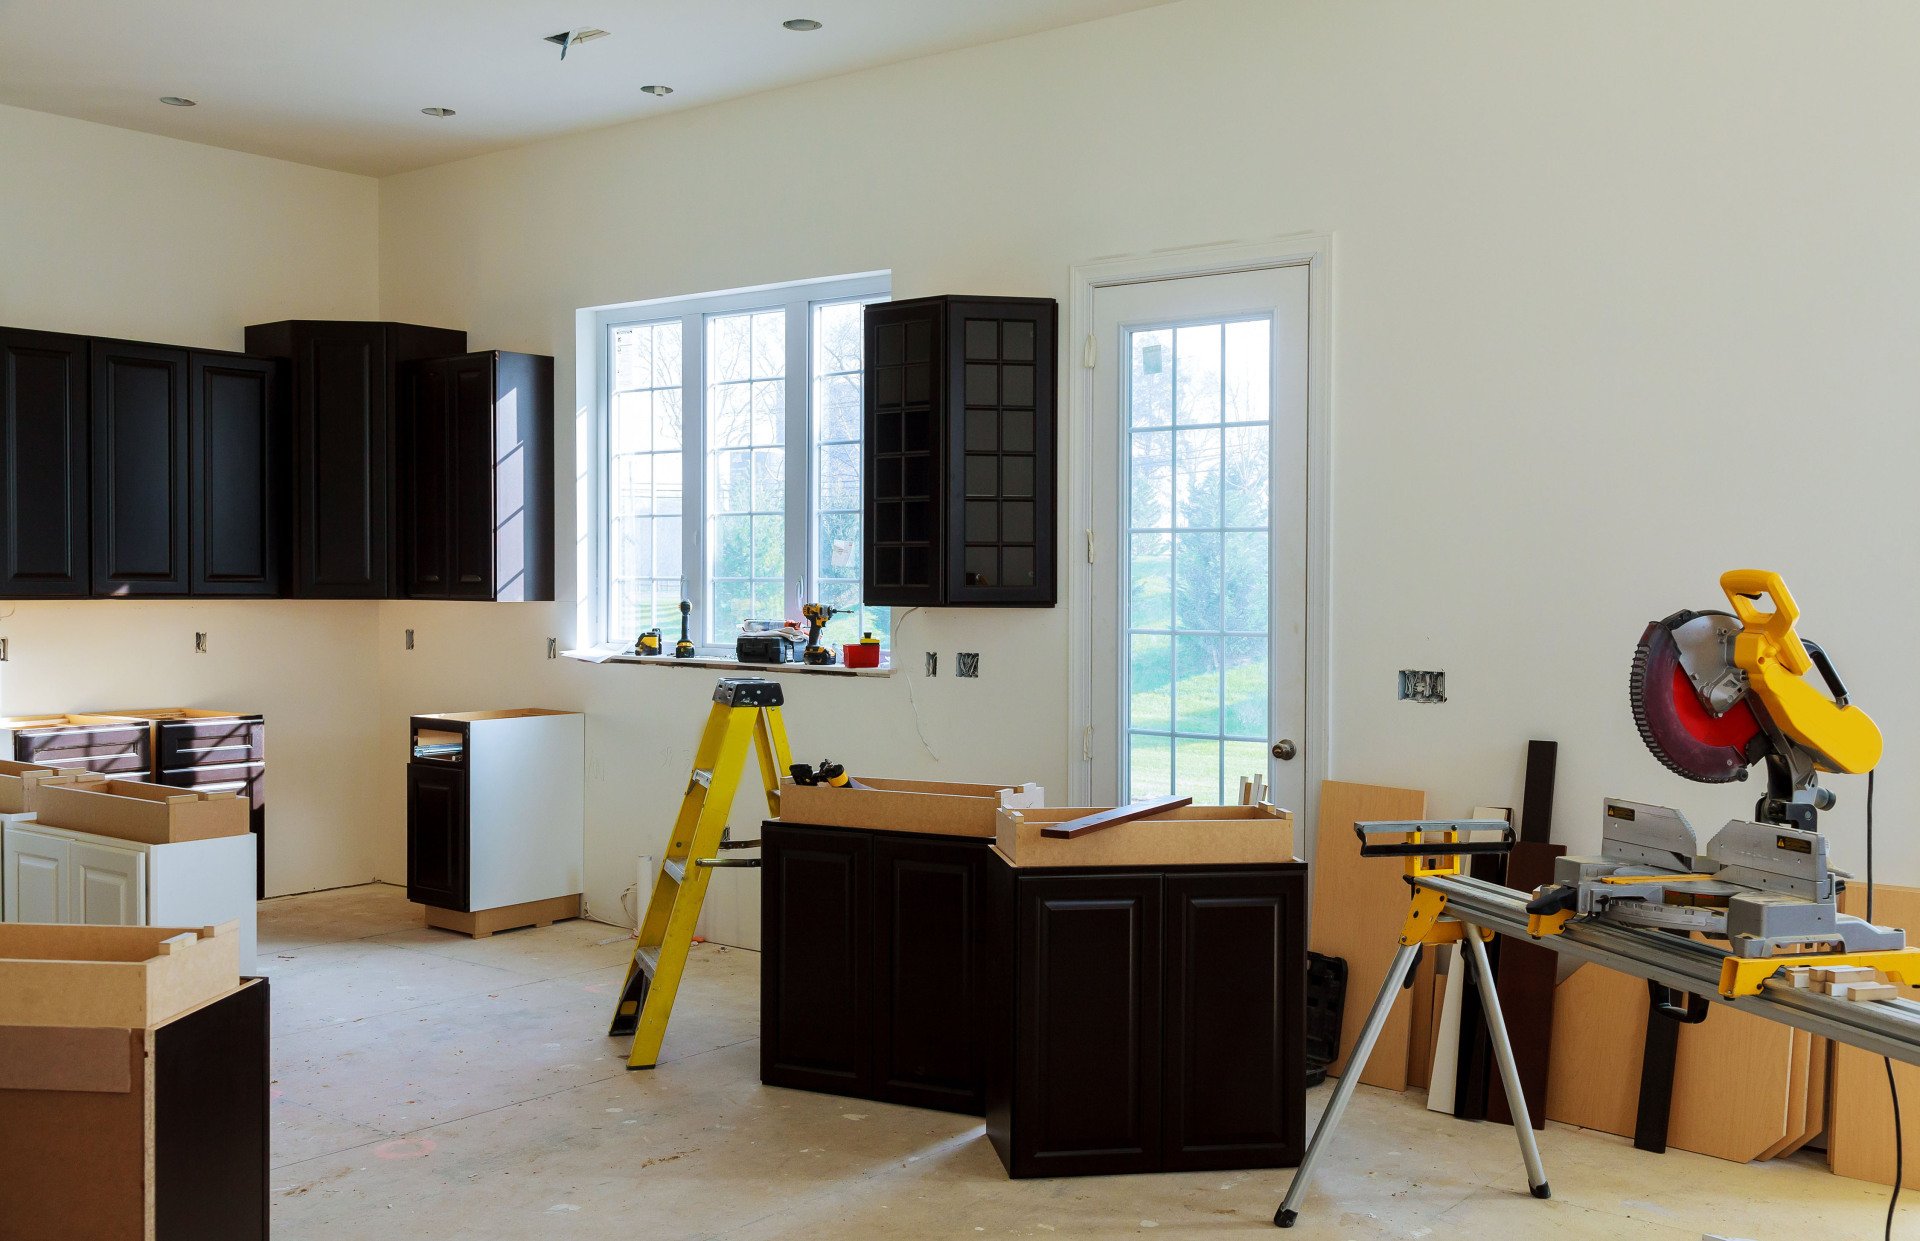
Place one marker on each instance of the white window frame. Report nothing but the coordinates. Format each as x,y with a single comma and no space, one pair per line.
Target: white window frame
795,299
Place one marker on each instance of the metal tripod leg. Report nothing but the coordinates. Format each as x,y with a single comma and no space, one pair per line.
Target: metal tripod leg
1503,1055
1343,1090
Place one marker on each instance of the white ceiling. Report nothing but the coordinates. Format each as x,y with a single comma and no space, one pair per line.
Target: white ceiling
340,83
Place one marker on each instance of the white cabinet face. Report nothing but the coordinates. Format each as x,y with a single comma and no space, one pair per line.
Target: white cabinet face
36,878
107,886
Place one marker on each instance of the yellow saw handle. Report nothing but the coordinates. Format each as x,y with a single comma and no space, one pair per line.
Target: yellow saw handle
1841,738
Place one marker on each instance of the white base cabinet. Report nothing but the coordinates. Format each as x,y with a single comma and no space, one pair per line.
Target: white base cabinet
56,875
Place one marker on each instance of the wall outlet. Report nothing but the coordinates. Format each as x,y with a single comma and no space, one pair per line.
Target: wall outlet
199,644
933,660
1419,686
966,663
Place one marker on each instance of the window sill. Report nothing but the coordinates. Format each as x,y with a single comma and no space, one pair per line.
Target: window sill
596,655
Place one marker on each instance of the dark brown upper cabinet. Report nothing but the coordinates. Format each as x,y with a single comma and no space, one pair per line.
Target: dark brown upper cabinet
477,477
44,475
238,473
961,452
344,428
140,509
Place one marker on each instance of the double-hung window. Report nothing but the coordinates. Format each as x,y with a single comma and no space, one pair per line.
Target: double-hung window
730,471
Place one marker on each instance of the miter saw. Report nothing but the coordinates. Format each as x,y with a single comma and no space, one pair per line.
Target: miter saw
1715,693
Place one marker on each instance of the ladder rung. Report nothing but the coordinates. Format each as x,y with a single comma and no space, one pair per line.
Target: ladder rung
703,777
649,959
739,844
724,862
677,870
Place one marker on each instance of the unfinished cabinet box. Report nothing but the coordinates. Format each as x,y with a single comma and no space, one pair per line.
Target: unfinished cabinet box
495,818
213,751
112,745
133,1086
45,511
477,468
960,452
344,386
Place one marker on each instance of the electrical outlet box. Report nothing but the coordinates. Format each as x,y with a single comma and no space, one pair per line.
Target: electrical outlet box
1420,686
409,639
933,660
966,663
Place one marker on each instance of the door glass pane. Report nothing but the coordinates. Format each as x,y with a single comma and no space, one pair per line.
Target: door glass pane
645,482
746,470
1199,543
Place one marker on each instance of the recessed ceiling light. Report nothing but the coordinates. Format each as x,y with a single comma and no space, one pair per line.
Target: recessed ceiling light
658,90
438,111
177,101
801,23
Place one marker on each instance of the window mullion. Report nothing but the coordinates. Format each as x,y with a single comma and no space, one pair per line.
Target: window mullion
693,465
799,457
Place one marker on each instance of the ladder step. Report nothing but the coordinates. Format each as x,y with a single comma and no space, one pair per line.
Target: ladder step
676,871
703,777
649,959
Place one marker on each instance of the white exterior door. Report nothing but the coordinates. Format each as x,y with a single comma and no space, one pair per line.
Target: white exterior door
36,877
1199,493
107,885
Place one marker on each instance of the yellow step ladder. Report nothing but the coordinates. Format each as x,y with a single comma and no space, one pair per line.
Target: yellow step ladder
746,711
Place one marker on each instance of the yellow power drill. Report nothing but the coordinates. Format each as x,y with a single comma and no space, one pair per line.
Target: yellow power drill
817,614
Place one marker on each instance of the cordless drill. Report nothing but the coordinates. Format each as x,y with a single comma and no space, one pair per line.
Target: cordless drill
683,649
817,614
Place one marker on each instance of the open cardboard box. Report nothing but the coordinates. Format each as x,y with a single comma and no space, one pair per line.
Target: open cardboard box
127,977
15,780
926,807
150,814
1186,836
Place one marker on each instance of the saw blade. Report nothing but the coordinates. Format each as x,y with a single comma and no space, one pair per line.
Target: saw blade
1676,725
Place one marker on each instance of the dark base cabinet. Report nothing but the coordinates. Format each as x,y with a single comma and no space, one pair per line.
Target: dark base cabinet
438,836
1145,1021
870,975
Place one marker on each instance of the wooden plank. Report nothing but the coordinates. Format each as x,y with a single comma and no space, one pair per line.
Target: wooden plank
1819,1070
1420,1023
1358,906
1796,1095
1473,1070
1536,800
1525,980
1441,1091
1131,813
1732,1075
1859,1108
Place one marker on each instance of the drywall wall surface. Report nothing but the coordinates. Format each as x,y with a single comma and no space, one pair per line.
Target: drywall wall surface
112,233
1623,296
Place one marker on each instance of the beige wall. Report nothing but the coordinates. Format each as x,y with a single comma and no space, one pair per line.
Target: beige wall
114,233
1623,297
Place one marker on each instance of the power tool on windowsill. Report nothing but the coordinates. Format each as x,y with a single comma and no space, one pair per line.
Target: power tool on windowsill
817,614
683,649
1714,693
831,774
648,642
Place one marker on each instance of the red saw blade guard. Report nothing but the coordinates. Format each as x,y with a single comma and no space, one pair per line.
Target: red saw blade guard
1687,738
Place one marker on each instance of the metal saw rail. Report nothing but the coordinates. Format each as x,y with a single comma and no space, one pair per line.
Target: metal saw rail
1885,1028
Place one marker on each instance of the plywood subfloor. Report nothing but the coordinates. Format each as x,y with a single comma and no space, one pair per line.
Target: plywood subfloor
428,1086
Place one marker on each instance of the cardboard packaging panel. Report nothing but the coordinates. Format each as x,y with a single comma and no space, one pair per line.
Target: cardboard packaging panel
151,814
925,807
126,976
1185,836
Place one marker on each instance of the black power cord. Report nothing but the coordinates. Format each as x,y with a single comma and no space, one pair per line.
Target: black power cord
1899,1155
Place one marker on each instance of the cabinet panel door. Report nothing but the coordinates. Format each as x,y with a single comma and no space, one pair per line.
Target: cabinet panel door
438,838
238,475
44,475
36,877
211,1083
1087,1031
341,413
140,527
927,986
816,960
1235,1022
902,458
473,391
426,408
106,886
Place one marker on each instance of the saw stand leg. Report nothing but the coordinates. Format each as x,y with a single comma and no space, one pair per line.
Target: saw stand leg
1289,1210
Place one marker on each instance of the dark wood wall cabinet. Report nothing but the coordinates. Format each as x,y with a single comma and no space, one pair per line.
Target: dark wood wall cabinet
45,511
1145,1021
477,464
961,452
345,499
871,970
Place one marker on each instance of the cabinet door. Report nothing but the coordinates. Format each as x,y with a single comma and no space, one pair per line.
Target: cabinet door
140,528
238,475
927,978
905,492
107,886
816,960
426,486
36,877
342,395
438,839
45,481
1235,1093
1087,1026
473,391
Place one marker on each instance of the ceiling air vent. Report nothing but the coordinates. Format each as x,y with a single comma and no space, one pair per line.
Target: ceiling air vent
570,38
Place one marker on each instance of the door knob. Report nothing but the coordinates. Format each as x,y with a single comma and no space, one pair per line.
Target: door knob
1284,750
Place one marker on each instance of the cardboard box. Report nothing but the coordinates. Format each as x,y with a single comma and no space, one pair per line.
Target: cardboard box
151,814
15,780
925,807
1187,836
128,977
